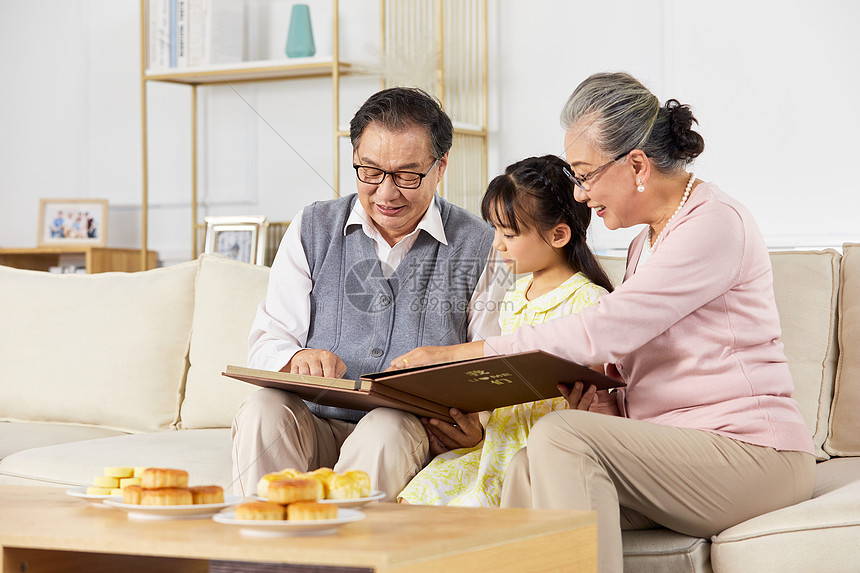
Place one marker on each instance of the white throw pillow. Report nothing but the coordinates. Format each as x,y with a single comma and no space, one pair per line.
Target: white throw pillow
806,286
104,349
227,295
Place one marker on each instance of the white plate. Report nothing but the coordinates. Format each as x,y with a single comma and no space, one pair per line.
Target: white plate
277,528
173,511
375,495
82,493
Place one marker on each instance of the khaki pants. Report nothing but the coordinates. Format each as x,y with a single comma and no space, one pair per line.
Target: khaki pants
638,475
274,430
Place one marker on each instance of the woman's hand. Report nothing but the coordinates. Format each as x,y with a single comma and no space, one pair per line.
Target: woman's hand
467,432
426,355
592,399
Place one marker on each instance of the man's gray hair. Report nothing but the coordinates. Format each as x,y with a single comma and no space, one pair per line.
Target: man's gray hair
396,109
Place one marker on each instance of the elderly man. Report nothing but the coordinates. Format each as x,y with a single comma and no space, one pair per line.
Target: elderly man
358,281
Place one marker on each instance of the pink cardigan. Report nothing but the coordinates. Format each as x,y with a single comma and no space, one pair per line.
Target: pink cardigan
693,331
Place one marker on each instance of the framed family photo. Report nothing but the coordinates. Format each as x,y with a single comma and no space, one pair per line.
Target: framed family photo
72,222
239,238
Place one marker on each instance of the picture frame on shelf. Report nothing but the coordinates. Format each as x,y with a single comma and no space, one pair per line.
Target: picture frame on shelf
72,222
238,238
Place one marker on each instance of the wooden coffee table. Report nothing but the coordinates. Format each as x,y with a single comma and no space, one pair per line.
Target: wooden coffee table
43,529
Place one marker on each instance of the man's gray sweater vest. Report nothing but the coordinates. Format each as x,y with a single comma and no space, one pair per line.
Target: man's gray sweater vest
368,320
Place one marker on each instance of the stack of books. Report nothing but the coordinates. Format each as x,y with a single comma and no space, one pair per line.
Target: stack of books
194,33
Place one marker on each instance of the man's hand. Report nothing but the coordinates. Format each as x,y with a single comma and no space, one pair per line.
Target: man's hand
592,399
467,432
314,362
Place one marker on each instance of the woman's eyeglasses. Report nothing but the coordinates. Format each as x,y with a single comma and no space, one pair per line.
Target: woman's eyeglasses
580,181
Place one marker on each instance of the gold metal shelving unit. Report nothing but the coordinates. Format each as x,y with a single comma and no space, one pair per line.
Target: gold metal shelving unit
234,73
459,32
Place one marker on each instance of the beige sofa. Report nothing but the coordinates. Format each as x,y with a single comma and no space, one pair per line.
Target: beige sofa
124,369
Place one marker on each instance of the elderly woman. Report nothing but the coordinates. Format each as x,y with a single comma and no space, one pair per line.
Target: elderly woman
705,434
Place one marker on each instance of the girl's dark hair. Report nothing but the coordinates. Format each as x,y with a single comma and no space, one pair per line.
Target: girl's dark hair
538,194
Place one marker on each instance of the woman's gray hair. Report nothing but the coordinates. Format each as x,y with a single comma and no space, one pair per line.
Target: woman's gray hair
618,114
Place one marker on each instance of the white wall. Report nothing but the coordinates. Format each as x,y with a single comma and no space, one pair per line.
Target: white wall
43,110
772,83
70,122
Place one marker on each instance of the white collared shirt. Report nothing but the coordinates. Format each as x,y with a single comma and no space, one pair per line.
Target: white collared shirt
390,257
281,326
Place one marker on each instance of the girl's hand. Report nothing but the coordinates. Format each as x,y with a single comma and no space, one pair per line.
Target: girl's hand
426,355
467,432
592,399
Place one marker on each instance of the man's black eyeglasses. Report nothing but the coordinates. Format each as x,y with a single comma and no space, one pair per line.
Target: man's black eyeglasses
403,179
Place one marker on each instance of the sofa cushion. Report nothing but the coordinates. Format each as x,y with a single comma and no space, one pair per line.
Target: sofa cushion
662,550
816,535
806,286
227,295
105,349
614,268
17,436
844,439
204,454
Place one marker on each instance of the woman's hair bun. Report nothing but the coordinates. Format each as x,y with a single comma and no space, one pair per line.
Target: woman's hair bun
688,143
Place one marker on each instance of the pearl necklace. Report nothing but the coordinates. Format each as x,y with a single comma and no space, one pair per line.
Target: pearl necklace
650,244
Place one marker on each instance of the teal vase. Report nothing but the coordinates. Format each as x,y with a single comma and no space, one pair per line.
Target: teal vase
300,39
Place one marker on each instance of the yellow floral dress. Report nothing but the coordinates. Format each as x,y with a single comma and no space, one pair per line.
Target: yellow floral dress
473,476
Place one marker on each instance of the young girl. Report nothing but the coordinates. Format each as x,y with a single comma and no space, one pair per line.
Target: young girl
540,230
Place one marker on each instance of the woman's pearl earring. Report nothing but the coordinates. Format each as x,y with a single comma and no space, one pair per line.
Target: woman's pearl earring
640,187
